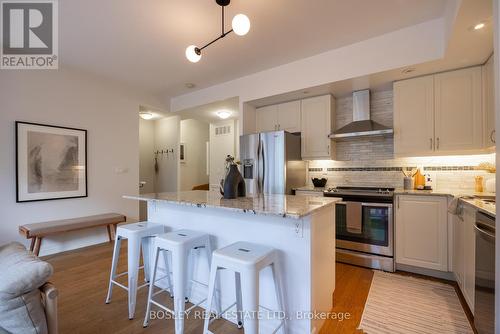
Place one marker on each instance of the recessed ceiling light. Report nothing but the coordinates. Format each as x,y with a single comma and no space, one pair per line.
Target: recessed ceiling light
479,26
146,115
190,85
408,70
223,114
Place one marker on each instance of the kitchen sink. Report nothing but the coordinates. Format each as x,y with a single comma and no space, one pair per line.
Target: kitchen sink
486,198
489,201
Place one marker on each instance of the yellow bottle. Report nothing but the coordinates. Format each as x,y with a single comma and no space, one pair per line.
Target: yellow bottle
479,184
419,180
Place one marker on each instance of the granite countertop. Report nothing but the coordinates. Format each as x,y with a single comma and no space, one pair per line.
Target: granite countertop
444,192
286,206
482,206
434,192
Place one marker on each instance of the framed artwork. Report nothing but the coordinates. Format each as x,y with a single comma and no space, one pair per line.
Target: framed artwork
51,162
182,152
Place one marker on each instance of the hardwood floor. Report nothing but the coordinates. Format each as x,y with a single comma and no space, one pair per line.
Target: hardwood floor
351,291
82,278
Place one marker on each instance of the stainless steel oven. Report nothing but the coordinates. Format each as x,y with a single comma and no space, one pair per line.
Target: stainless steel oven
375,236
364,223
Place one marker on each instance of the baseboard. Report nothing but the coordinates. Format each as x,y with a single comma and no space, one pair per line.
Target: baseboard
445,275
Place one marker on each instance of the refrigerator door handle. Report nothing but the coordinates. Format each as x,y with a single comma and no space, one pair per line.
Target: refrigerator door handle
263,179
259,185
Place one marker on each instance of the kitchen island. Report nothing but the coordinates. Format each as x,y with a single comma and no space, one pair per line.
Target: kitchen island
301,228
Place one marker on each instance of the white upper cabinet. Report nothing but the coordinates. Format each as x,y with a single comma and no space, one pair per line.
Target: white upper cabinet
439,114
422,232
284,116
267,118
489,103
458,111
313,117
318,116
289,116
414,116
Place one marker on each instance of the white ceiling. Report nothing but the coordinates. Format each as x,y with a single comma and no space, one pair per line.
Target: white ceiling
467,47
142,43
208,112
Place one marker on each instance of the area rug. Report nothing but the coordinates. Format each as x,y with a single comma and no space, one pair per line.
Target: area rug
402,304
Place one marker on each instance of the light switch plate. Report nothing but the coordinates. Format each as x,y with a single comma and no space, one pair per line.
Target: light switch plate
298,228
121,170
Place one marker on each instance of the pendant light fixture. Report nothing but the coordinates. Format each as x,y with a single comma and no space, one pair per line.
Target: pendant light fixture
240,26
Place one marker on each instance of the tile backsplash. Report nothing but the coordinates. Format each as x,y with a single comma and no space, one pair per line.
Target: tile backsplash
454,173
371,162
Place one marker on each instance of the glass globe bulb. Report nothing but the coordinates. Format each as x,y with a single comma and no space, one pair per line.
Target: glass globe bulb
241,24
191,54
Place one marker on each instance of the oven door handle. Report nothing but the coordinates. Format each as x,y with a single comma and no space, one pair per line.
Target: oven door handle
385,205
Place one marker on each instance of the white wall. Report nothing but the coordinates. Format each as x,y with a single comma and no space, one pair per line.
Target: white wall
193,171
167,137
146,161
69,98
220,147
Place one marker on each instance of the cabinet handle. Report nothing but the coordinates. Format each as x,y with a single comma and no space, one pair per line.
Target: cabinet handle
492,137
398,202
431,142
437,143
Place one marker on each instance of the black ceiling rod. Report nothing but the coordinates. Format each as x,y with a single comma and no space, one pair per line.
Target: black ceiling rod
221,3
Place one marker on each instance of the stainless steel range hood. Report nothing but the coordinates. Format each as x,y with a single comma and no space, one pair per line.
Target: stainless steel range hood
361,125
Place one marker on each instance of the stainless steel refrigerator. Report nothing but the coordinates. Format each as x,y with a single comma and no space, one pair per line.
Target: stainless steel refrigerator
272,163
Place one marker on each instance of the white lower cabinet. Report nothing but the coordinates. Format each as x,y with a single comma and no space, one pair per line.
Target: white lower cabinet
464,253
421,229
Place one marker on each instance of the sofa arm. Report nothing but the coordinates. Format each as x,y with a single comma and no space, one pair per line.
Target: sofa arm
49,300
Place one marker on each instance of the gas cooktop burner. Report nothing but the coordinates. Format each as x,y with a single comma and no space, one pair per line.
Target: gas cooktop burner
360,191
378,190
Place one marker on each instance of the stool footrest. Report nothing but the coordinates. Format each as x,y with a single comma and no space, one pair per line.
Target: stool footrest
195,305
200,283
222,312
161,306
143,285
119,284
279,327
126,287
228,308
120,274
160,291
125,273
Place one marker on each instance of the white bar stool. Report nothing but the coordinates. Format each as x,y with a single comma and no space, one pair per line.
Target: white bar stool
180,244
246,260
137,234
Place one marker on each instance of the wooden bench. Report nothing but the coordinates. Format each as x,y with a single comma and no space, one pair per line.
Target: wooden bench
37,231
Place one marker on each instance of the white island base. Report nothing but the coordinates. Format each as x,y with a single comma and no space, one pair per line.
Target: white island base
305,242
